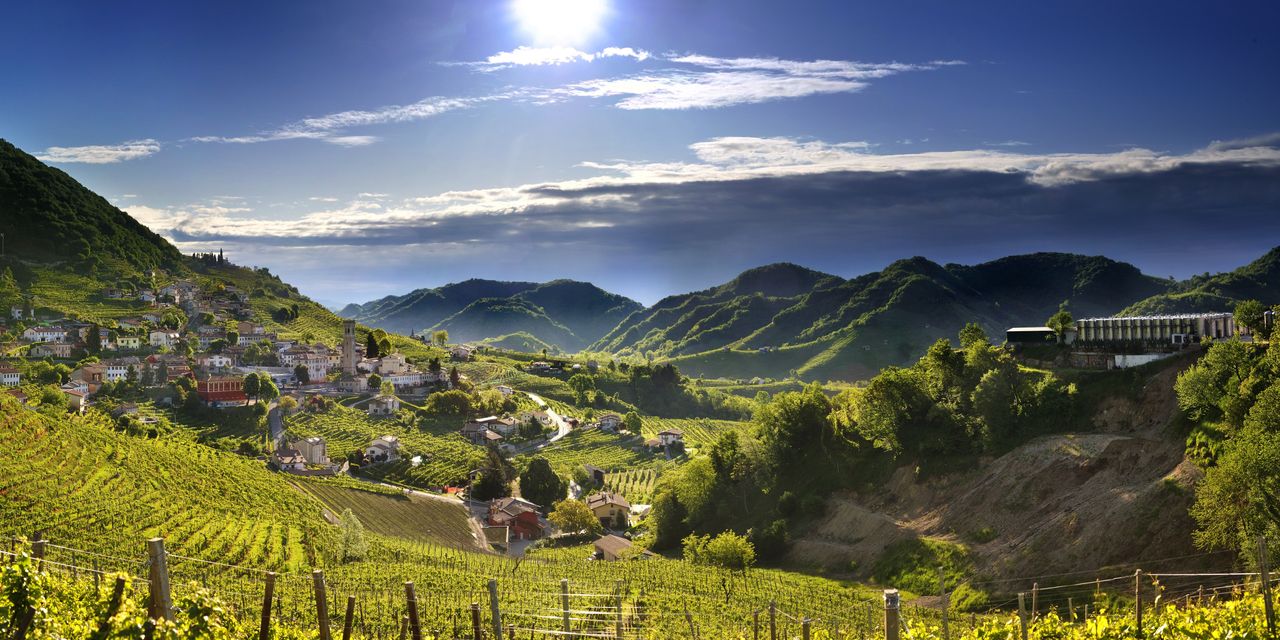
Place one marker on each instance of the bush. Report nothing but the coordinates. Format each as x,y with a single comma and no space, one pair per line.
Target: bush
913,564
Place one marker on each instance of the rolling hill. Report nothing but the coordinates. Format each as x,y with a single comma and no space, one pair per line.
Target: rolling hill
1258,280
782,318
562,313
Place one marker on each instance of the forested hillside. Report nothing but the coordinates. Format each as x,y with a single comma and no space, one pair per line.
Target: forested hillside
1258,280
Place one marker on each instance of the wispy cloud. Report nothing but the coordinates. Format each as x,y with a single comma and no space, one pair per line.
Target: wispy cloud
540,56
1008,143
101,154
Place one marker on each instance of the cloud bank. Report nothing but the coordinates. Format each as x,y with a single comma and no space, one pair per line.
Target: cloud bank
101,154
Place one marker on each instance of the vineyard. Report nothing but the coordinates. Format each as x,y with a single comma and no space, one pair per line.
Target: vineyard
429,460
77,295
698,432
636,485
413,517
595,447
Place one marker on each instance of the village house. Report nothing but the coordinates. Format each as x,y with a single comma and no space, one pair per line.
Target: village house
506,391
384,405
595,474
383,449
91,376
164,339
214,361
461,351
519,516
129,342
502,426
610,508
45,334
609,422
77,400
51,350
130,323
118,368
313,449
479,434
147,295
10,376
611,548
221,391
670,437
289,460
152,317
250,329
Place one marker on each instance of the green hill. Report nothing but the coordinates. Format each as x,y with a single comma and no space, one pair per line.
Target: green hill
1258,280
783,319
562,313
48,217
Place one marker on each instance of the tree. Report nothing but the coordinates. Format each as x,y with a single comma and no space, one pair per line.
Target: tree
252,385
449,403
371,346
794,422
539,483
490,485
1239,497
440,338
302,373
375,381
233,337
726,455
973,334
433,365
1250,314
354,546
287,404
1060,322
131,375
667,520
387,388
267,389
93,340
633,422
728,550
455,378
573,516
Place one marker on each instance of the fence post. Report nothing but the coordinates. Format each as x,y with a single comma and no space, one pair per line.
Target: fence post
755,625
773,620
891,620
1071,611
1137,602
117,596
475,621
511,632
411,601
349,618
404,626
564,603
37,546
264,623
1022,614
617,600
1035,601
494,610
161,604
688,617
322,604
946,603
1268,607
804,628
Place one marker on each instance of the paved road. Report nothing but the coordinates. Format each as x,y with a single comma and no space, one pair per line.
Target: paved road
275,425
562,425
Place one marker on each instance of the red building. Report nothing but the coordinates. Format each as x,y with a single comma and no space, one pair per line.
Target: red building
519,516
221,390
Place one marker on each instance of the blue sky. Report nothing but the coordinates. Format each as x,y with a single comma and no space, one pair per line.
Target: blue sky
361,149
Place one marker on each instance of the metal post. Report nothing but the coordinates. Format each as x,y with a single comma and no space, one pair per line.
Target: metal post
755,625
946,603
1137,602
161,604
617,603
1035,601
564,603
891,620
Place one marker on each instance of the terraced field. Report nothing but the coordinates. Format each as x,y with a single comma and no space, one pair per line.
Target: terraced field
77,295
431,459
595,447
412,517
636,485
698,432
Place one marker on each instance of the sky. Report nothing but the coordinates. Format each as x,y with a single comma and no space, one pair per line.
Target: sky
653,147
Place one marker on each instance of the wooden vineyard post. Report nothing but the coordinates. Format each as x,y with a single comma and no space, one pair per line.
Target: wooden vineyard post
564,603
1137,602
755,625
617,605
773,620
511,632
1071,611
411,602
688,617
1035,601
117,596
161,604
475,621
1022,614
349,617
38,546
322,604
404,626
494,611
946,604
891,620
264,624
1267,605
804,628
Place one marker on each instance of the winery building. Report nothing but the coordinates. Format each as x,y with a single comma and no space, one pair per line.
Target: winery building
1177,329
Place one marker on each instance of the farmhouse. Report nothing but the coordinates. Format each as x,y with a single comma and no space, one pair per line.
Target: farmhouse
505,390
669,437
289,460
610,508
77,400
594,474
611,548
129,342
163,338
519,516
383,449
214,361
9,376
479,433
384,405
313,449
502,426
610,422
51,350
45,334
461,352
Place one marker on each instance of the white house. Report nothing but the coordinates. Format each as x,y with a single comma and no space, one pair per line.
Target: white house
313,449
118,369
163,338
610,421
9,376
129,342
147,295
461,351
45,334
393,364
383,449
384,405
505,390
670,437
289,460
77,400
214,360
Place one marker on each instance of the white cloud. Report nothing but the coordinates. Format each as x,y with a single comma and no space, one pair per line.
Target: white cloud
352,141
524,56
322,199
1008,143
101,154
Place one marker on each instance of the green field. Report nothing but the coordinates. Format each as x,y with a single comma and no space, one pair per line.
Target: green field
412,517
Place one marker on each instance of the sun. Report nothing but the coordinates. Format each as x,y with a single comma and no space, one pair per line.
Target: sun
560,22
